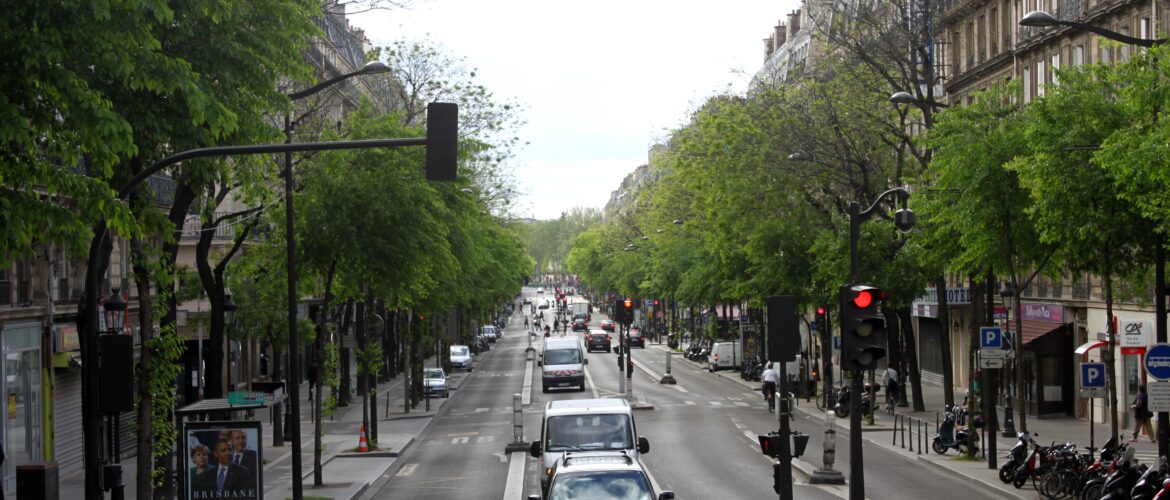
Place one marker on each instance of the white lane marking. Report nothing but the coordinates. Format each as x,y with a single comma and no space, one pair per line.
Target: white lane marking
485,439
681,388
481,410
741,403
501,455
460,440
592,386
407,470
689,402
715,403
515,485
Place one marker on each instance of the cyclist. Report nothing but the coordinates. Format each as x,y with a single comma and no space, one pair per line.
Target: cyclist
890,381
770,377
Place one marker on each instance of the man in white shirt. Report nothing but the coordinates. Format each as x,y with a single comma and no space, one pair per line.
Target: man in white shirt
890,381
770,377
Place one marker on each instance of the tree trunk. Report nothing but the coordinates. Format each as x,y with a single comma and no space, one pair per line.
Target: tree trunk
913,375
977,306
944,341
277,374
145,431
1111,358
319,376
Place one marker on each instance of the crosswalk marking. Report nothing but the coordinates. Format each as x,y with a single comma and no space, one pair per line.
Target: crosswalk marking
485,439
407,470
460,440
481,410
689,402
741,403
716,403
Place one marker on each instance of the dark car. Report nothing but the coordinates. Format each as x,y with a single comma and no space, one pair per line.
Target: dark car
579,325
597,340
608,325
635,338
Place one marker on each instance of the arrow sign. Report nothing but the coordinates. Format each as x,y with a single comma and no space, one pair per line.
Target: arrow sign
1092,375
991,337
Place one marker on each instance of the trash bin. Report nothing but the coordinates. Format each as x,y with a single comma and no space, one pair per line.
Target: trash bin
37,481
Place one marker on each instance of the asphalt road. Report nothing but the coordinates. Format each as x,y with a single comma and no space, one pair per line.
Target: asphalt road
702,434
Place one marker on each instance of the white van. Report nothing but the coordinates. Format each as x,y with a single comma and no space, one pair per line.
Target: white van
585,425
725,354
562,364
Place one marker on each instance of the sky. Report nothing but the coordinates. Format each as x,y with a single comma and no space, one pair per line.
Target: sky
598,82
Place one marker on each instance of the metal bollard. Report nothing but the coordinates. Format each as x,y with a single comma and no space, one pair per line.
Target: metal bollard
911,436
921,428
894,441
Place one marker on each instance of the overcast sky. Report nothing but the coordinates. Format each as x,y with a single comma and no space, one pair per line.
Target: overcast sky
599,82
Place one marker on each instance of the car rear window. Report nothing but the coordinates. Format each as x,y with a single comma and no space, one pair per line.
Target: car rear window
460,350
589,432
618,485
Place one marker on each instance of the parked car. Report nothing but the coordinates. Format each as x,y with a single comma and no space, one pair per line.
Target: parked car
460,357
489,333
435,382
527,300
583,474
608,325
636,339
597,339
725,354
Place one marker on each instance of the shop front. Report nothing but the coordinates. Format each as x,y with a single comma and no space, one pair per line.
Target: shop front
22,419
1047,355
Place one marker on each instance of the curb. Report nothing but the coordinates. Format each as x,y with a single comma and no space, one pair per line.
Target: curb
991,490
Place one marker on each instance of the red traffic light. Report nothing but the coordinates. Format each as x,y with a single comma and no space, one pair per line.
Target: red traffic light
820,311
769,445
655,301
863,299
629,303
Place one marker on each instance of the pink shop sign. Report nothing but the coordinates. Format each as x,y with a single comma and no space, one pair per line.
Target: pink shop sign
1048,313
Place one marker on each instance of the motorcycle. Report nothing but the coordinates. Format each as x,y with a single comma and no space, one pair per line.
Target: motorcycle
1150,483
1122,478
844,401
1015,457
752,368
949,437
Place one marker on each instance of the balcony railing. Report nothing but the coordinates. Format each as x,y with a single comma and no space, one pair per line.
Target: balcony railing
193,227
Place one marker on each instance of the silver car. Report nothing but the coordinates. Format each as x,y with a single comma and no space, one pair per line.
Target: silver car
435,382
460,357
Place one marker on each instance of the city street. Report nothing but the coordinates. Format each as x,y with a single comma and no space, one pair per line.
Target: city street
702,434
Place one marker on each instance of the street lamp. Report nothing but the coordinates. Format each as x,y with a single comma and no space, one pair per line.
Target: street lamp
229,317
1042,19
1010,302
115,308
294,375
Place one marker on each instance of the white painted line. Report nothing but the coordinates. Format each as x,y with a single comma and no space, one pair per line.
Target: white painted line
407,470
460,440
681,389
514,488
741,403
592,386
715,403
689,402
482,410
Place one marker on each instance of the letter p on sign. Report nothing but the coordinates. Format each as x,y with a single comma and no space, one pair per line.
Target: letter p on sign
991,337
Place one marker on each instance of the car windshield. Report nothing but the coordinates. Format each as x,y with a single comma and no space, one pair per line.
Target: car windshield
562,357
432,373
589,432
459,350
620,485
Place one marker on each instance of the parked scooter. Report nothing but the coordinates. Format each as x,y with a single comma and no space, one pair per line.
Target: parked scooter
950,435
1150,483
1016,456
1123,478
1095,488
845,405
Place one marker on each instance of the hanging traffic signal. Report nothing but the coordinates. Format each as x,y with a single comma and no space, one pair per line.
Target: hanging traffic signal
863,328
627,311
822,320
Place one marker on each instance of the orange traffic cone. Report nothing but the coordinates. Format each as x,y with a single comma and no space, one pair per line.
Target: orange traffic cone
362,446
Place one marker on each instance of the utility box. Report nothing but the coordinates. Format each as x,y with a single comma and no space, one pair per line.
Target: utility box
37,481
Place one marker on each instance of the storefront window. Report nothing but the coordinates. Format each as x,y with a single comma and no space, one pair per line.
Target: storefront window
1133,377
22,399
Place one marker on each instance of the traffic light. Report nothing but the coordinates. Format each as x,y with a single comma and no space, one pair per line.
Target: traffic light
770,445
822,320
863,328
627,311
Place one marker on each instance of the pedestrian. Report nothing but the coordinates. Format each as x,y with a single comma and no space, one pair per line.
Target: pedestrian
525,322
890,381
769,377
1142,414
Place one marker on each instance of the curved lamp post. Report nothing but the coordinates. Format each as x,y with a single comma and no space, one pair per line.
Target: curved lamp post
904,220
1040,18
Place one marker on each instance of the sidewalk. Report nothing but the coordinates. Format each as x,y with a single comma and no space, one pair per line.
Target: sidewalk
345,473
1059,430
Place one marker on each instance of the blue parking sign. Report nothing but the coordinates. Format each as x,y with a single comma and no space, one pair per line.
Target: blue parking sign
1092,375
991,337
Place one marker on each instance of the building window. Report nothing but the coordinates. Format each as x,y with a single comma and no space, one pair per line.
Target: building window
1040,81
1006,22
1027,76
1055,66
993,31
1144,28
981,40
1126,49
1078,55
23,283
5,287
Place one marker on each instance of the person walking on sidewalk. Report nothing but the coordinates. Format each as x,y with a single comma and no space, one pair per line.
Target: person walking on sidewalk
1142,414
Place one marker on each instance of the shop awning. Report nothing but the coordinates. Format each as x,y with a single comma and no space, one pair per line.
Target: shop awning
1089,346
1035,329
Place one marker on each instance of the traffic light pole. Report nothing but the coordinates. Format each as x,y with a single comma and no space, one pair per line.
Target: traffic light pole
783,480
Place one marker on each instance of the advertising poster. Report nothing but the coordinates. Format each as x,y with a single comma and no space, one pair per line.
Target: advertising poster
222,460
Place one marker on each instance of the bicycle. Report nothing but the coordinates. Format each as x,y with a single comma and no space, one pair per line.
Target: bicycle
826,400
770,396
892,399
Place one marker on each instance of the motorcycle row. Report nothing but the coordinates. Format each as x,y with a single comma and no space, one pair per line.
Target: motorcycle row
698,351
1061,471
